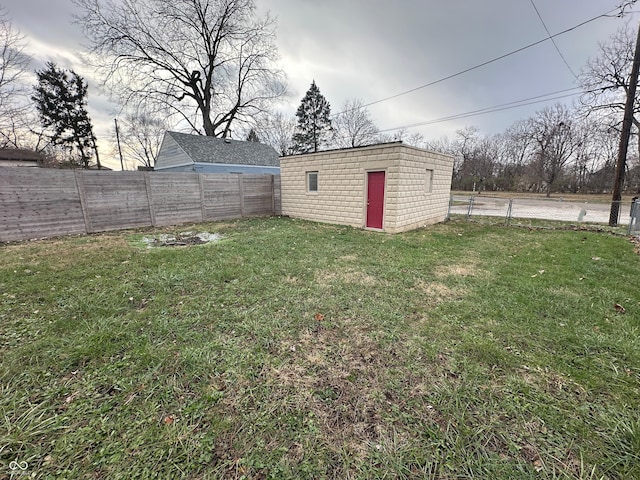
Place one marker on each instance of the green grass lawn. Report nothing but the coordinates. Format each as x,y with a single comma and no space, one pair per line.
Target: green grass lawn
294,350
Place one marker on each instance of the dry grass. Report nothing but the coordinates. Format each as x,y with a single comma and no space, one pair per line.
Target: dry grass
432,354
328,278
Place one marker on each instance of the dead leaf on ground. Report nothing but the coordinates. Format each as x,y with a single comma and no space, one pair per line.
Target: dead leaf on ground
71,397
619,308
538,466
168,420
319,317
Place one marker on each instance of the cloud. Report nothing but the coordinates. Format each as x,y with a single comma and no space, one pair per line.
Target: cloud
373,49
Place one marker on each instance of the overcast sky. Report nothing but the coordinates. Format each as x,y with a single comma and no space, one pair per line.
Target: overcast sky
374,49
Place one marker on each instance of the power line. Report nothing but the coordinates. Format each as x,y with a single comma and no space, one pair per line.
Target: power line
553,40
483,64
507,106
547,97
496,108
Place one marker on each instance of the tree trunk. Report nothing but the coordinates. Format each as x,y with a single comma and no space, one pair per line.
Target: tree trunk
624,137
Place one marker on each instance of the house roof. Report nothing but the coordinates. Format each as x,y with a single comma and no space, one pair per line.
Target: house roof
203,149
346,149
20,155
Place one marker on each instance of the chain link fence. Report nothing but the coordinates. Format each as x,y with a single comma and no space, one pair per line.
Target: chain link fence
634,217
524,210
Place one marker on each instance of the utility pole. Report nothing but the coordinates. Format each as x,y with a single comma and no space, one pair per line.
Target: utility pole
95,149
624,137
118,141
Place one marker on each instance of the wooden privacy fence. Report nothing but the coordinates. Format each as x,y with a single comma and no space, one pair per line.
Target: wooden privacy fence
36,203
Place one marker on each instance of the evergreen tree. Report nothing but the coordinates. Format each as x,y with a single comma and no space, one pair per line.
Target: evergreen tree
314,123
61,99
253,136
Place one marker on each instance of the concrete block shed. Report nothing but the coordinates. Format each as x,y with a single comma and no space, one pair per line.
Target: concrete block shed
390,187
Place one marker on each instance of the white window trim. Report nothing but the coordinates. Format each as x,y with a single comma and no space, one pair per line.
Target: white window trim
307,178
429,180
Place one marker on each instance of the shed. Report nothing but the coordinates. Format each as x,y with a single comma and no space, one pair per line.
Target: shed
182,152
388,187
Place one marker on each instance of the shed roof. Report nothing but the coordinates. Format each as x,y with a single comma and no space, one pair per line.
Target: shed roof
203,149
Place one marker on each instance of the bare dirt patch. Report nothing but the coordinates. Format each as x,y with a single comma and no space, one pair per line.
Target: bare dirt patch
48,251
466,270
182,239
551,382
337,374
436,293
636,241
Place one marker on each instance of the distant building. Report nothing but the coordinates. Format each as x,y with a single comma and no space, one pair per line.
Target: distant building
13,157
181,152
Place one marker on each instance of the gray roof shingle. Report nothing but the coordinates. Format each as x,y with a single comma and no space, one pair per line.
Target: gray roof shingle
203,149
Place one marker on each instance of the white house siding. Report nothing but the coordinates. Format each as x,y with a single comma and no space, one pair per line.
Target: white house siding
224,168
172,155
18,163
342,177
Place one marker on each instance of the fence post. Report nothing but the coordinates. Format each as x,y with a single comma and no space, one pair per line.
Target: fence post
203,210
470,209
83,199
240,189
152,208
633,217
273,195
509,211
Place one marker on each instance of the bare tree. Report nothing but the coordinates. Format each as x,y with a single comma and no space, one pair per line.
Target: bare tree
141,134
353,127
555,138
14,91
14,64
475,160
415,139
440,145
210,62
277,130
19,124
463,146
516,149
607,143
605,79
21,130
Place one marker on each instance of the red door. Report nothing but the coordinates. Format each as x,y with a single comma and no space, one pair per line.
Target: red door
375,199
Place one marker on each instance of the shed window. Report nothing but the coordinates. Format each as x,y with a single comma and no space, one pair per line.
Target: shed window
429,181
312,181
